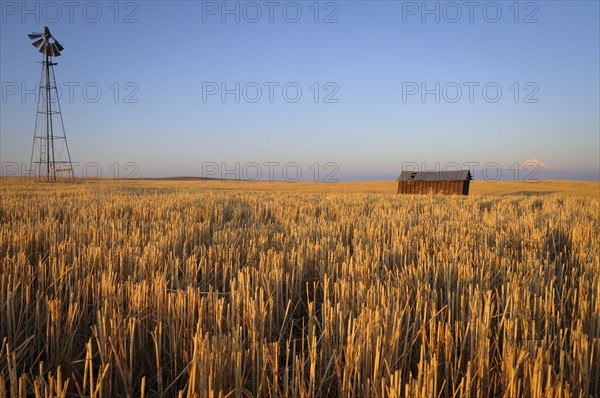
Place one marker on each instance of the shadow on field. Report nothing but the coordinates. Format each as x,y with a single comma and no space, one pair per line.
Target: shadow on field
532,193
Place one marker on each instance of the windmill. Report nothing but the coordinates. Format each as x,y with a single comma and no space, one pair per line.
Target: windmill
50,157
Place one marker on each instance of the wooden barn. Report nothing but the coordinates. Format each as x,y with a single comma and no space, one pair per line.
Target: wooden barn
451,182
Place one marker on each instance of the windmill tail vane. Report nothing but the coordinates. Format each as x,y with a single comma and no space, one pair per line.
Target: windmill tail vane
50,157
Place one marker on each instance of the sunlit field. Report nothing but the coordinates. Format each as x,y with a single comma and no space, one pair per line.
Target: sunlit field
237,289
563,188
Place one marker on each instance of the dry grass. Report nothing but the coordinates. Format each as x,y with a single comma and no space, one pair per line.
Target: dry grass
564,188
185,289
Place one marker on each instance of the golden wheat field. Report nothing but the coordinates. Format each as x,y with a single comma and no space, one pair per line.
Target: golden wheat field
206,290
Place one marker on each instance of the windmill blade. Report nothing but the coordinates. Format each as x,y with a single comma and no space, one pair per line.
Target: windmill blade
58,45
55,49
38,43
47,49
47,32
34,35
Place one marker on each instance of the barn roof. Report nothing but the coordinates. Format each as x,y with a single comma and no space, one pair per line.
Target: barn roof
448,175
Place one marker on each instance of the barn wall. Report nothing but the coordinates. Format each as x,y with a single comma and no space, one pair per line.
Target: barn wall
441,187
465,188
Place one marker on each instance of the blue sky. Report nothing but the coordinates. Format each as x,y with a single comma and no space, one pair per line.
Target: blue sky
503,82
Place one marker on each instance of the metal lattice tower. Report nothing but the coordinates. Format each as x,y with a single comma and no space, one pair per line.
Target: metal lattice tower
50,157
